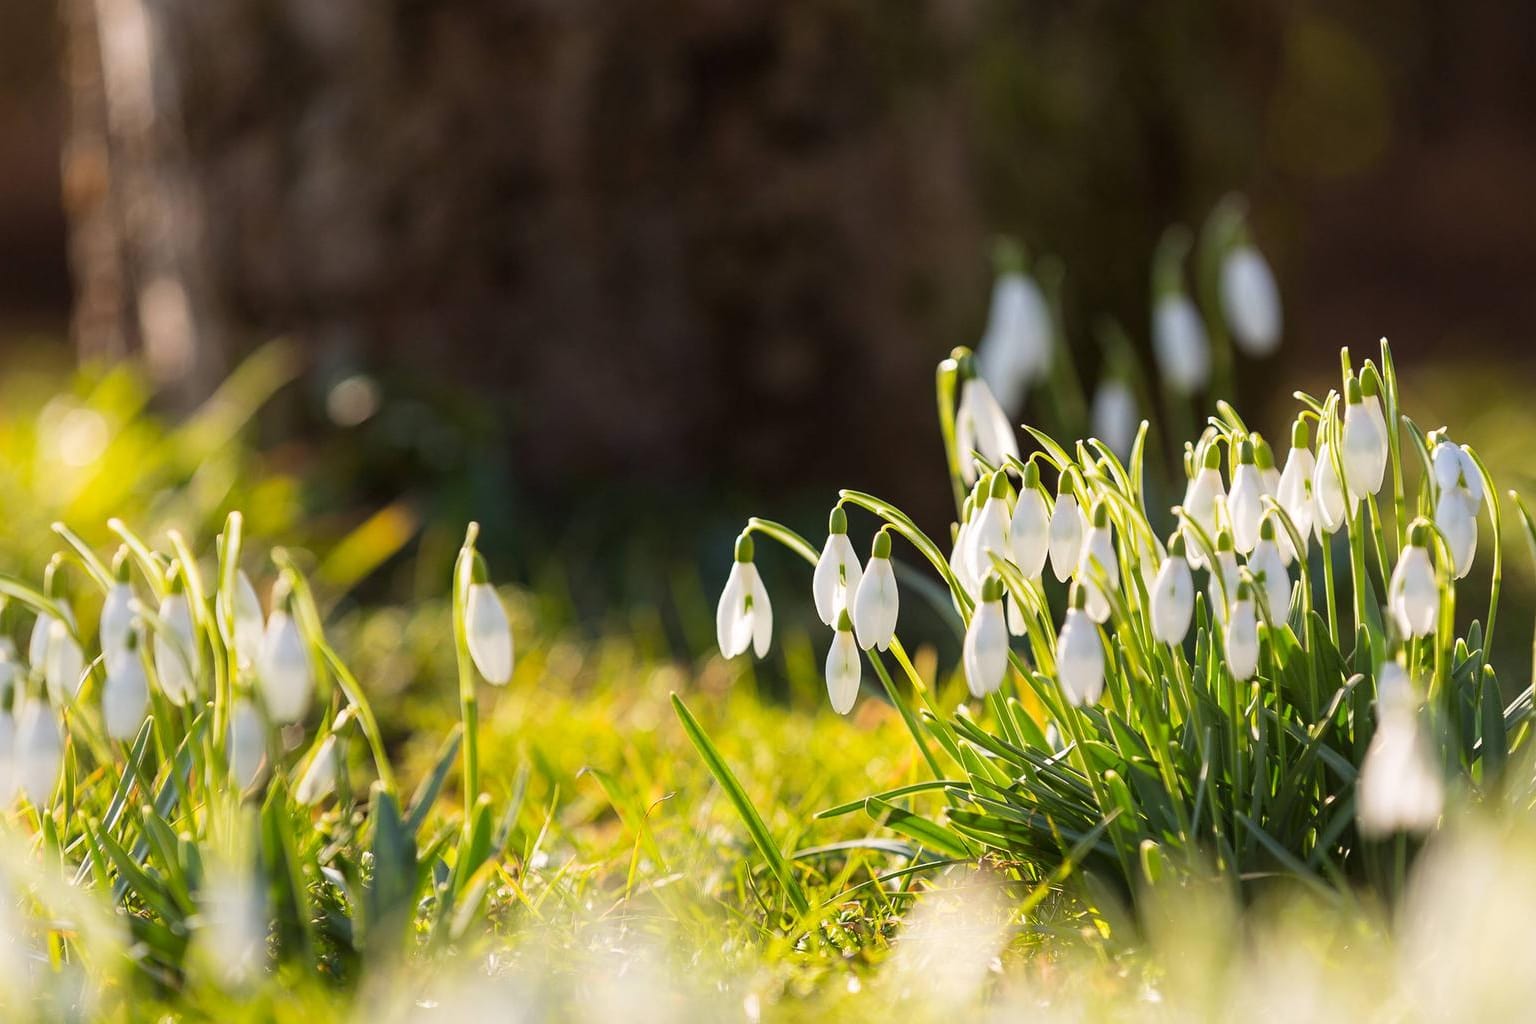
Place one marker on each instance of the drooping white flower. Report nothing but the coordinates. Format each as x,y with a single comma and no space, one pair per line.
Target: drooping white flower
1269,473
39,756
1080,656
249,623
981,427
1180,344
1203,500
1098,556
176,655
284,676
1115,416
1015,351
843,666
125,695
1413,596
1365,445
836,578
1014,613
1245,505
876,603
744,616
319,778
1173,595
1221,589
989,529
1267,566
1066,542
1457,519
1029,531
1243,635
985,653
117,610
1455,468
1295,491
63,663
1401,788
487,632
1250,301
246,743
1327,494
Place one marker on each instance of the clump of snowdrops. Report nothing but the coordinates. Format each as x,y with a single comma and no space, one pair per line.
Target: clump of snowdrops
1266,679
182,800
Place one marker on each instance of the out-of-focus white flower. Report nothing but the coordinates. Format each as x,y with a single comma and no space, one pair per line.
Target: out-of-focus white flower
249,623
125,695
1221,590
1066,541
284,675
319,779
1180,344
843,666
1080,655
487,632
981,427
63,663
176,655
231,934
1029,531
876,603
1365,445
1460,487
1250,301
1203,501
1015,351
1243,634
39,753
1327,494
1267,566
1269,473
117,610
1115,416
744,617
247,743
1173,595
1014,613
1245,505
836,578
985,654
989,529
1295,491
1412,595
1401,789
1098,556
8,780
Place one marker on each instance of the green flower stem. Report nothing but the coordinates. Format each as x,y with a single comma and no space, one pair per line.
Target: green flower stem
469,701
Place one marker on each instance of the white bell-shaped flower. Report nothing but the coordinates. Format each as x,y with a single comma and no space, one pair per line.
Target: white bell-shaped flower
744,616
1327,494
959,565
1267,567
1455,468
1221,589
1204,499
249,622
117,613
981,426
1413,596
1295,490
1245,505
1365,445
39,756
63,663
876,603
1243,634
1066,540
125,695
176,655
1015,351
1029,530
1457,519
1115,416
319,778
985,652
1269,473
1250,301
1180,344
246,743
836,578
487,632
1018,625
1080,656
989,530
1401,788
843,666
1173,595
284,676
1098,560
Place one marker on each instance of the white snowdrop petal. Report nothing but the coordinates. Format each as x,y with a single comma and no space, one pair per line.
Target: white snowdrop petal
1173,601
1066,537
1250,301
1246,507
319,779
988,534
729,612
1080,659
283,671
1295,496
39,754
1243,640
985,652
116,618
248,620
1456,517
760,614
247,743
876,605
1029,533
488,633
1115,417
1098,548
176,655
1180,344
64,664
125,695
836,578
1268,569
843,671
1365,452
1412,595
1015,351
1327,494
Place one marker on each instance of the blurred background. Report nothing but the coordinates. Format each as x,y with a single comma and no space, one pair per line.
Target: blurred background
611,277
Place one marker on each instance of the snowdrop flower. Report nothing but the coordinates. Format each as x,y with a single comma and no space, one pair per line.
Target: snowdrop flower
246,743
1115,417
1203,500
1267,566
1080,655
1327,494
1173,595
1455,469
1029,531
1243,635
1250,301
39,756
117,611
981,426
958,563
1264,456
1180,344
1413,596
1365,445
1014,613
1222,587
744,617
1098,556
249,623
125,695
1457,519
1066,540
63,661
176,654
1401,789
989,530
843,666
837,571
1370,393
1245,505
319,779
1015,351
486,630
876,603
1295,491
284,676
985,654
